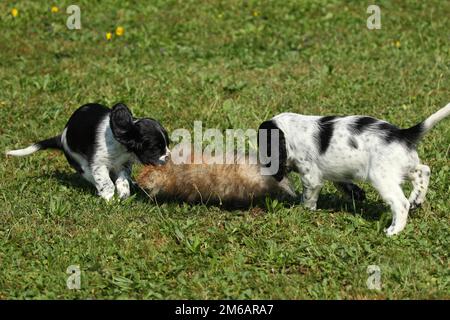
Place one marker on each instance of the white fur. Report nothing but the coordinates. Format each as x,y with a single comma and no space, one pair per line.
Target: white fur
436,117
164,157
23,152
110,157
384,165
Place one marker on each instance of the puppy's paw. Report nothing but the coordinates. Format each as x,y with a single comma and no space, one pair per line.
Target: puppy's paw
414,205
392,231
124,194
311,206
108,194
123,189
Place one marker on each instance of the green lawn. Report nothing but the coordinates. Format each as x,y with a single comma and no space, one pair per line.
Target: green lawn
231,64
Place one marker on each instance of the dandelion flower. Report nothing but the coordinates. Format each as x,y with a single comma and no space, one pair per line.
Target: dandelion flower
120,31
14,12
108,36
397,44
255,13
54,9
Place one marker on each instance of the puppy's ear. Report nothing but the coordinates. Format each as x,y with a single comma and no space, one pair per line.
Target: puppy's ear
272,150
121,122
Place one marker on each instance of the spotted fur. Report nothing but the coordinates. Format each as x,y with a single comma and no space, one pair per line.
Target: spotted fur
358,148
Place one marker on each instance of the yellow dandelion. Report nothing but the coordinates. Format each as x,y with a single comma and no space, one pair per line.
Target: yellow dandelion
108,36
120,31
397,44
255,13
54,9
14,12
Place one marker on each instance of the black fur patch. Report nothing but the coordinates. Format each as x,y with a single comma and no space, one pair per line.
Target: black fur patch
352,143
409,136
362,124
51,143
82,129
326,128
412,135
269,126
390,133
74,163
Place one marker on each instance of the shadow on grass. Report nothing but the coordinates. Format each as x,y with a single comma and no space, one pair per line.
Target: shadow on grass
72,180
332,202
368,209
76,181
141,195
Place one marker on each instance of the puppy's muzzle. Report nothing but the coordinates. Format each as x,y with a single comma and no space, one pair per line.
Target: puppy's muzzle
163,159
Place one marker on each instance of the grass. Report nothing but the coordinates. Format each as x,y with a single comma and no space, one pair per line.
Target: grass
231,64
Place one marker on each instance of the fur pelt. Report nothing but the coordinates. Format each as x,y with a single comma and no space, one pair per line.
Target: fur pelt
234,185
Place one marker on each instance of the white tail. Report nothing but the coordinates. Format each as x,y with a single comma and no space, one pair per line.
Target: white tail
432,120
24,152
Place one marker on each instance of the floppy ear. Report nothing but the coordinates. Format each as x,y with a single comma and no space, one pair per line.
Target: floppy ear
269,148
121,122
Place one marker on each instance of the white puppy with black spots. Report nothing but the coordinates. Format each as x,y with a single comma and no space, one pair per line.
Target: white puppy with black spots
353,148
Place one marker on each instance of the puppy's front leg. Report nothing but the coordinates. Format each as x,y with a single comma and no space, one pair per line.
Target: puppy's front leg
103,183
123,183
311,190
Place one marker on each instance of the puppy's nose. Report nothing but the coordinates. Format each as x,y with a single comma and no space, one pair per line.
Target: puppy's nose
164,158
167,156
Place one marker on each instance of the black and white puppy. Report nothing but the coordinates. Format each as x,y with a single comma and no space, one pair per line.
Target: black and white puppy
354,148
102,144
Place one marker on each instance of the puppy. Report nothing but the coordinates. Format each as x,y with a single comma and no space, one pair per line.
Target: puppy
353,148
236,185
101,144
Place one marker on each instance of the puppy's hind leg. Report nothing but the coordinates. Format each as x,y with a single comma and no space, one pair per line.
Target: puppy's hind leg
420,179
392,194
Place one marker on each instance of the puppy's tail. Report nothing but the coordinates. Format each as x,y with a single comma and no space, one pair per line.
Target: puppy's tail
415,133
432,120
52,143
